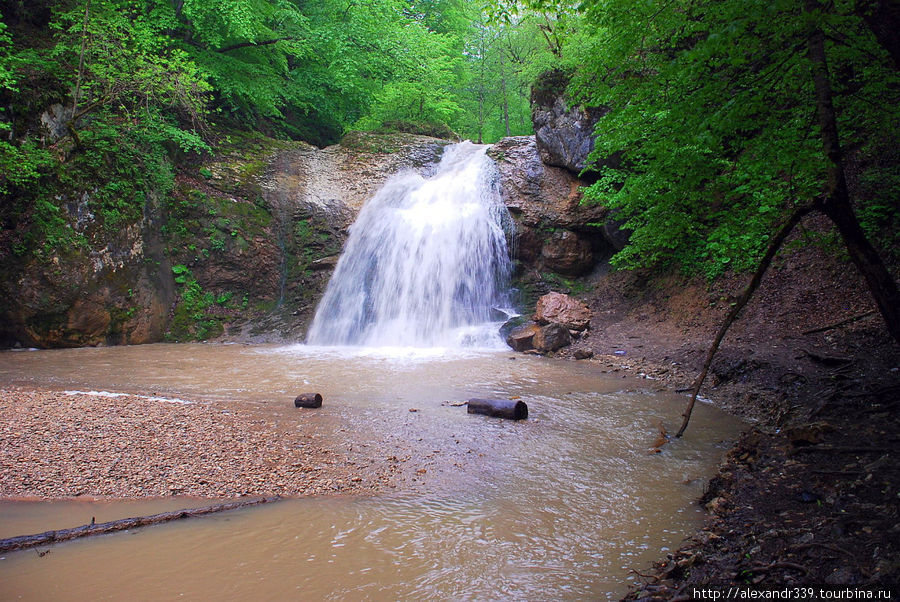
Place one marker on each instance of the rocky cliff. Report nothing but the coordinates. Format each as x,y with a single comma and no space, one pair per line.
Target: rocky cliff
244,243
242,246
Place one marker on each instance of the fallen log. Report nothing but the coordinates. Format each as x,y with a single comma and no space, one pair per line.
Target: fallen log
514,409
22,542
308,400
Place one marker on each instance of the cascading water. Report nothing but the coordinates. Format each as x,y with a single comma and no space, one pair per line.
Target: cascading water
426,263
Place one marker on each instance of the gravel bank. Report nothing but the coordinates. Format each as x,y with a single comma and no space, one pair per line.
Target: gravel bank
56,445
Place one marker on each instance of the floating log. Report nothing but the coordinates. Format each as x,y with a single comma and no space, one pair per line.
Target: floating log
308,400
51,537
514,409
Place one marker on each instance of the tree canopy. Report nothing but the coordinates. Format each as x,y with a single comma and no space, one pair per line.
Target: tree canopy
726,118
713,122
710,137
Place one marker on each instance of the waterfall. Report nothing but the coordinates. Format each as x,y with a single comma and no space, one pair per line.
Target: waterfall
426,263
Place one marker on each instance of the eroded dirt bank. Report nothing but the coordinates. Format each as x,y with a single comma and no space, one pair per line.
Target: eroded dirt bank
810,494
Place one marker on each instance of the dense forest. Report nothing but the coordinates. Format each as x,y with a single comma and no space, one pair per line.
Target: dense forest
718,122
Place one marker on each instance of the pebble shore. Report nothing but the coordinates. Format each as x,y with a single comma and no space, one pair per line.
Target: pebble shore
55,444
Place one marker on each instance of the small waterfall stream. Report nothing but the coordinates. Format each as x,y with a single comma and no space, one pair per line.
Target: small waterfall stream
426,263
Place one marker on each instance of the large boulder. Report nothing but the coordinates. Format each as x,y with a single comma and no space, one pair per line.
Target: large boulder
557,308
521,338
552,337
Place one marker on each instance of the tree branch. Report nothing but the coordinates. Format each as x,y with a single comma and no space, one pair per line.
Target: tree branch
837,204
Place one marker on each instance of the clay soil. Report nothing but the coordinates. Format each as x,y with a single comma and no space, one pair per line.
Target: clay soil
809,494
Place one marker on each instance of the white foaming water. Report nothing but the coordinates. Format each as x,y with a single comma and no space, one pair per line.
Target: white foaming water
426,263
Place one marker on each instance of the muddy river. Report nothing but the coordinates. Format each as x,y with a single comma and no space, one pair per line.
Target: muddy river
559,506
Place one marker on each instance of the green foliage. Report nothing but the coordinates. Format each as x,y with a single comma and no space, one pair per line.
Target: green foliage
190,320
122,60
182,273
711,136
310,70
495,98
128,102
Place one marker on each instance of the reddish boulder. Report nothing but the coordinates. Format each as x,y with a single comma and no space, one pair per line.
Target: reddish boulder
557,308
552,337
521,337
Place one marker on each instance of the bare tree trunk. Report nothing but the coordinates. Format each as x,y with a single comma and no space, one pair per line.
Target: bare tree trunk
764,263
837,201
836,205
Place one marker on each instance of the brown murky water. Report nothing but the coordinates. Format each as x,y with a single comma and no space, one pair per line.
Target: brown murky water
560,506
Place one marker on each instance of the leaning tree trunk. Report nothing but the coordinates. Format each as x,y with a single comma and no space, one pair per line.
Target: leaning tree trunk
837,201
742,300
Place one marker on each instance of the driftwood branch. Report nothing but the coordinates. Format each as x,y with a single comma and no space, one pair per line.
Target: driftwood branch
49,537
774,245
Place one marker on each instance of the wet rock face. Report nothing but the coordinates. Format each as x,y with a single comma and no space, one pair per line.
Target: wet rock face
316,195
552,223
336,181
564,133
105,294
253,234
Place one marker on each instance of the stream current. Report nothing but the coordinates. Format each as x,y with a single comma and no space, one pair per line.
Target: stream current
559,506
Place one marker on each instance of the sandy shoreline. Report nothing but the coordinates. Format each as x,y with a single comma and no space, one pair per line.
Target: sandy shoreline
59,445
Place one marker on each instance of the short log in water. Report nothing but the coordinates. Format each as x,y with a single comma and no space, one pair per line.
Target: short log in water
308,400
513,409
